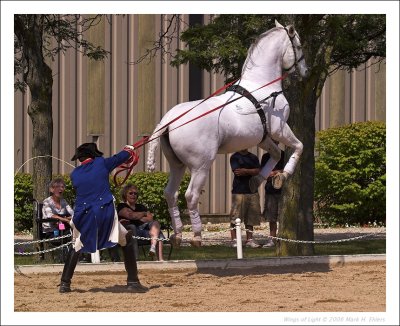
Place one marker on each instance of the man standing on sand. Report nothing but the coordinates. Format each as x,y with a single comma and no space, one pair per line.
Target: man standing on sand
95,221
245,204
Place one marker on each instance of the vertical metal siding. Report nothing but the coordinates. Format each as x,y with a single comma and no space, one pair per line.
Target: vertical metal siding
364,99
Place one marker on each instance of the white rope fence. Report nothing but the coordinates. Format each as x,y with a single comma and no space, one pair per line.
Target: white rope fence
239,246
95,257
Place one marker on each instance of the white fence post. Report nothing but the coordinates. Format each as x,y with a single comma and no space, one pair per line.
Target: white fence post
95,258
239,248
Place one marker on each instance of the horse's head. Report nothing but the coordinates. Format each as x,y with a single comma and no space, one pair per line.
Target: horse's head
293,54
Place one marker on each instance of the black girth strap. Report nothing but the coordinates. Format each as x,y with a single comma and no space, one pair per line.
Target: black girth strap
273,95
242,91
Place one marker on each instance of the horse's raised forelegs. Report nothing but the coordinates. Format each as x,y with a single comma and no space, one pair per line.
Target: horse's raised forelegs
275,154
290,140
197,181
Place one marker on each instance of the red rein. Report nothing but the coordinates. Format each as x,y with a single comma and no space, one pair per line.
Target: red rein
128,165
134,158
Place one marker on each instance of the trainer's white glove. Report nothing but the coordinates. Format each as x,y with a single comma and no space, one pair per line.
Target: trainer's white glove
130,147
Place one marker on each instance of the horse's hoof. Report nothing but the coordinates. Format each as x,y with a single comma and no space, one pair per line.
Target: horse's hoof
176,240
196,241
278,180
255,182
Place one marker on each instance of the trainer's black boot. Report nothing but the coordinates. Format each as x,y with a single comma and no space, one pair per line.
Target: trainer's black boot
68,271
133,284
132,232
136,287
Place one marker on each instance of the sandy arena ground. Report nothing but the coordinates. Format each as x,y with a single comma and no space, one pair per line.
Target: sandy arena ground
352,287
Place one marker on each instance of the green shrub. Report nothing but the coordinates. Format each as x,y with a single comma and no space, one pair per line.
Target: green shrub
150,185
350,174
23,200
23,207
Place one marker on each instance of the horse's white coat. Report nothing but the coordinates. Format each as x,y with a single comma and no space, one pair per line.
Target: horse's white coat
235,126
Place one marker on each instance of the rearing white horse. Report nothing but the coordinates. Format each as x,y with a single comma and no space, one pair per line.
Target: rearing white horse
257,117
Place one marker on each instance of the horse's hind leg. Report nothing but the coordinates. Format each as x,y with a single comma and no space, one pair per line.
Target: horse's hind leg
171,191
197,181
171,195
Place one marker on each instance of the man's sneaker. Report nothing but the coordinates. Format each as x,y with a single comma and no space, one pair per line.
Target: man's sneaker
233,244
152,251
269,244
252,244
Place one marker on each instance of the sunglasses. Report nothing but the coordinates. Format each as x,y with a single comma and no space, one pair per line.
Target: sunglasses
133,193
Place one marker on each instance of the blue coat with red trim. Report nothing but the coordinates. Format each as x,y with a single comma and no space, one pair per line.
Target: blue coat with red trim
94,207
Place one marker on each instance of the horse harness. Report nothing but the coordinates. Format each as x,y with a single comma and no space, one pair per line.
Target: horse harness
244,92
296,61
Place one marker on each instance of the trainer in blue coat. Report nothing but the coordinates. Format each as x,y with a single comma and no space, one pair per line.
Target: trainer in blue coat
95,223
95,217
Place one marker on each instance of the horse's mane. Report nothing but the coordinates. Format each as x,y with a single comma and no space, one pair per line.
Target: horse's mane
255,43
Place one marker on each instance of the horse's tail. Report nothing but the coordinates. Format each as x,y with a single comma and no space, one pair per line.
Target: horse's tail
153,144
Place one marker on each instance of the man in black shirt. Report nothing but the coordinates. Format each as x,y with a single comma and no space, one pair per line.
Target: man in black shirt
245,203
272,198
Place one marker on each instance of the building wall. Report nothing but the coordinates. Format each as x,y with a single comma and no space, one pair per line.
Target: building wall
115,102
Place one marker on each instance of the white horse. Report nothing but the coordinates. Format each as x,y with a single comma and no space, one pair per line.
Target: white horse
235,126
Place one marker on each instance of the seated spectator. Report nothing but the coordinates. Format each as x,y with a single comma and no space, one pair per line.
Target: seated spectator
132,213
56,207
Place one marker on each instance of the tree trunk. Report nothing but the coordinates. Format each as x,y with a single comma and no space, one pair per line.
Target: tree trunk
40,111
296,216
38,77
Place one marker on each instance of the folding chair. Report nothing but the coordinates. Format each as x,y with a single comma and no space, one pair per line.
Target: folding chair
38,215
145,244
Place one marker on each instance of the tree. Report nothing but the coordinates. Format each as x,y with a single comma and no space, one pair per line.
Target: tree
37,37
330,42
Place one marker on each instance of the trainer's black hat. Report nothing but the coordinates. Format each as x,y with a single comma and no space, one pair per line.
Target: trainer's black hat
86,150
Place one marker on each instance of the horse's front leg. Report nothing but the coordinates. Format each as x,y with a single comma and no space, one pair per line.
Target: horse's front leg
288,138
275,154
197,181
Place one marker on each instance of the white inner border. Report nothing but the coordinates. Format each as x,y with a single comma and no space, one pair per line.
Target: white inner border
9,8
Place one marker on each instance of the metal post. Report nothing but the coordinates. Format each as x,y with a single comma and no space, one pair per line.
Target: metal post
95,257
238,239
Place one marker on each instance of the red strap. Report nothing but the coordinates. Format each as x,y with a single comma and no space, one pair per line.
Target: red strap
229,102
127,166
146,140
132,161
213,94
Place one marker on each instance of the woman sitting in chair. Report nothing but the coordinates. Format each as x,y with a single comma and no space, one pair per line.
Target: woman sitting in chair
131,213
56,207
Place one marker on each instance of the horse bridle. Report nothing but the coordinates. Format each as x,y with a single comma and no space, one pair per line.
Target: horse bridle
296,62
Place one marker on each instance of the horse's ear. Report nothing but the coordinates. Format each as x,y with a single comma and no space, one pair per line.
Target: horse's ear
277,24
291,30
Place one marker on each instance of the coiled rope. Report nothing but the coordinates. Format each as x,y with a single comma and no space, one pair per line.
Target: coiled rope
42,156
